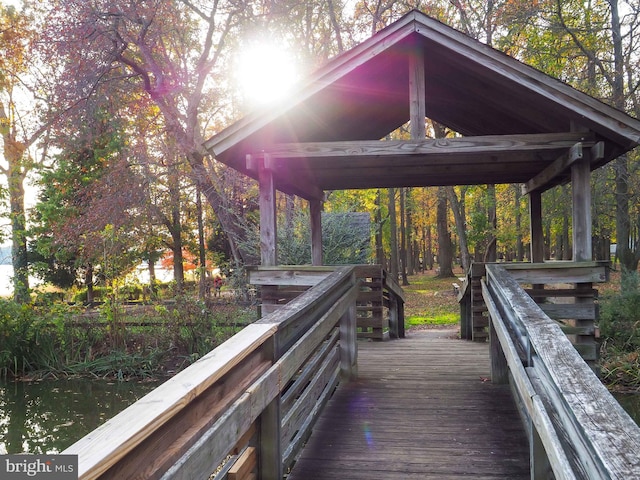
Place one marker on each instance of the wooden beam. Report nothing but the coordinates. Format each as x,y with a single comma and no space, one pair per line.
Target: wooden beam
543,179
480,145
417,96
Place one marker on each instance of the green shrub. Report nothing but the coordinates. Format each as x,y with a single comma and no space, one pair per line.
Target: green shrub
130,291
620,314
59,339
27,341
99,293
620,370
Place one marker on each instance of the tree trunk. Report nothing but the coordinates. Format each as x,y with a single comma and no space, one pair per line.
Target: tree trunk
393,261
491,255
16,173
336,25
566,246
445,251
380,259
152,276
19,257
175,230
411,250
429,248
519,242
403,237
88,282
176,248
628,258
202,264
458,207
225,213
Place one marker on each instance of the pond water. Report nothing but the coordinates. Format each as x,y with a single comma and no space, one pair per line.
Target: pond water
49,416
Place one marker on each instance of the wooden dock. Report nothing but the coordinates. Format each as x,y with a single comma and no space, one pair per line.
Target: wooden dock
422,408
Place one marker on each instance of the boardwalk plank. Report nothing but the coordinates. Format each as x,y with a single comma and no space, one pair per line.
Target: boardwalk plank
421,408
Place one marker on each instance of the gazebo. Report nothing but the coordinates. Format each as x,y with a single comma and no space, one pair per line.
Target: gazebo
515,125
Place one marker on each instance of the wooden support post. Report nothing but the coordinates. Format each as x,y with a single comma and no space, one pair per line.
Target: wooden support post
539,462
417,100
581,193
582,246
479,314
315,211
401,333
582,249
536,232
535,221
349,344
499,367
465,317
268,217
268,228
393,317
270,459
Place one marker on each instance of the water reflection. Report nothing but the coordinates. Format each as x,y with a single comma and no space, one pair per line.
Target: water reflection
48,416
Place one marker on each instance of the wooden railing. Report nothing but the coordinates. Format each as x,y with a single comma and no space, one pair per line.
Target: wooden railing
378,292
245,409
563,290
577,430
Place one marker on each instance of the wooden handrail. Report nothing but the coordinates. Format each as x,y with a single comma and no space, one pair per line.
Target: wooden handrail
237,396
577,429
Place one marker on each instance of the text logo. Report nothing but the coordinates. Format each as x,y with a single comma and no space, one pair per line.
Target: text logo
46,467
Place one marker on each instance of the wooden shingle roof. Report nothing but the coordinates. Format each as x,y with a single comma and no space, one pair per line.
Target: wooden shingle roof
516,123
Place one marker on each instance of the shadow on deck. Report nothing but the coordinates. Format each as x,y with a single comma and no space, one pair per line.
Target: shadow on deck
421,408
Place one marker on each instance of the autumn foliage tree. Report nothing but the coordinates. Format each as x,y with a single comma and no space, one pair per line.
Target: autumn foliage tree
170,52
89,203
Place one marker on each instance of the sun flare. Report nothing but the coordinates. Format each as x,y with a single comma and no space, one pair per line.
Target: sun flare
265,73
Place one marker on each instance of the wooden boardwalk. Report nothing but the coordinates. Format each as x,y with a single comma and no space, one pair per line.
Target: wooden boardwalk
421,408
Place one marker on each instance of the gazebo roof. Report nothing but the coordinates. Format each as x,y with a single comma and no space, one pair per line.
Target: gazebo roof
518,125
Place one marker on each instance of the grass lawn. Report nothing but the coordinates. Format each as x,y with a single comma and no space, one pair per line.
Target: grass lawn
431,301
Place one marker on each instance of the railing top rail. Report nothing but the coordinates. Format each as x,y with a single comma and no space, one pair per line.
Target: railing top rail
606,429
294,275
104,447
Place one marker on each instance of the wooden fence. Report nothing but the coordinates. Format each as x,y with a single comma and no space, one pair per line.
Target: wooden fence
380,303
577,430
245,409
